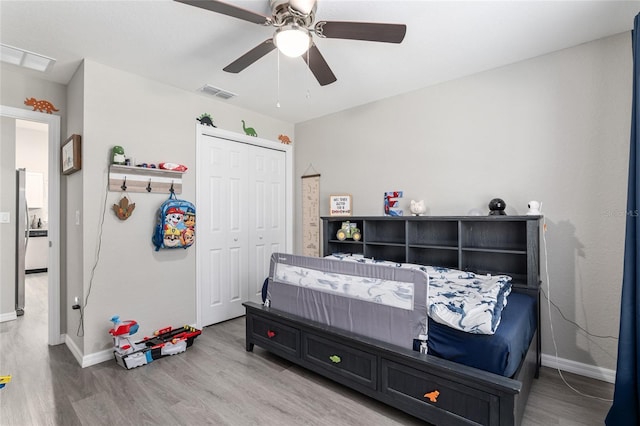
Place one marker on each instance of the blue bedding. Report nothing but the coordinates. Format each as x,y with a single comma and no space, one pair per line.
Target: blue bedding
499,353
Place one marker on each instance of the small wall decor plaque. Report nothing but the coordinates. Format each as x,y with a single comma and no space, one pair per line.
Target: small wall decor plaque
71,155
340,205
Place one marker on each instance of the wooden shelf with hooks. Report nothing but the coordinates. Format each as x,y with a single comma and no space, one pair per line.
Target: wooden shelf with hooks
142,179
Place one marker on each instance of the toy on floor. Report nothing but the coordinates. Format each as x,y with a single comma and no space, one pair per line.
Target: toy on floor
4,380
166,341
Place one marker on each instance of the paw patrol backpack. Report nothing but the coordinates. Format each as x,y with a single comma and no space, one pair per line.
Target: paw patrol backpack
176,224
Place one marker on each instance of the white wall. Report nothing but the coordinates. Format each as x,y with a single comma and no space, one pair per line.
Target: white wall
154,122
554,128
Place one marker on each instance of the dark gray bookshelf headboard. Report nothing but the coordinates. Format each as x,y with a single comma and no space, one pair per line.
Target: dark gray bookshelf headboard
483,244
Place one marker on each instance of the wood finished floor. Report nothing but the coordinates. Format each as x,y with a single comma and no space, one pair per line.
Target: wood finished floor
215,382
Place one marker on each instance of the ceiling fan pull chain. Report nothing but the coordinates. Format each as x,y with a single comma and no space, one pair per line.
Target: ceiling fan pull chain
278,94
308,94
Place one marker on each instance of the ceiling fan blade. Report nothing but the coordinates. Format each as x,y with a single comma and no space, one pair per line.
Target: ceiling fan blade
319,66
367,31
303,6
250,57
229,10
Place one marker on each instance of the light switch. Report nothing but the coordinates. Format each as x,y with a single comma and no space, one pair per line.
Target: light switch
5,217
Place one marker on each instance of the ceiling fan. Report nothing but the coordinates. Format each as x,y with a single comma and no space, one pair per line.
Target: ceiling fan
294,23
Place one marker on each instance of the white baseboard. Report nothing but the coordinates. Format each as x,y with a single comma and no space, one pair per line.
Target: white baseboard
586,370
75,351
9,316
97,358
88,360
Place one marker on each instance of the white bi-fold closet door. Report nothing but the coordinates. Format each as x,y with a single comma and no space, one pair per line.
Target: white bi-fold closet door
242,219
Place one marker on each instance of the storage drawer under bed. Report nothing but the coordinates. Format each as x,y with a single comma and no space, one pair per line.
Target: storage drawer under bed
340,359
274,336
422,392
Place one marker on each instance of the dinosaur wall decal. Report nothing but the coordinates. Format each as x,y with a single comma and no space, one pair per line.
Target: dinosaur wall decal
249,131
206,120
40,105
285,139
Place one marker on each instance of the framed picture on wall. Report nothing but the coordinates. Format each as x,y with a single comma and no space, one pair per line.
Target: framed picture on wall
71,155
340,205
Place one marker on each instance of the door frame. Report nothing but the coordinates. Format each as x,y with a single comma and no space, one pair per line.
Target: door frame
204,132
53,267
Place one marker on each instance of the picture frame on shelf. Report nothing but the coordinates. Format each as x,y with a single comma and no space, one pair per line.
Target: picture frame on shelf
340,205
71,155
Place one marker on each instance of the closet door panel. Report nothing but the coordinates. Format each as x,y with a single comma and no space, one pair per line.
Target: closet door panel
222,230
267,221
214,276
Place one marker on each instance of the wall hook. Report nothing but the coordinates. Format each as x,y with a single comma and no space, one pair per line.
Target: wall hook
124,184
149,186
171,189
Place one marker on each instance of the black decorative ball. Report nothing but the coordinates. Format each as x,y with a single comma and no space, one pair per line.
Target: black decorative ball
497,206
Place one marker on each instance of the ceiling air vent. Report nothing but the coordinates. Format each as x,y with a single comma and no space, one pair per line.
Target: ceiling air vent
216,91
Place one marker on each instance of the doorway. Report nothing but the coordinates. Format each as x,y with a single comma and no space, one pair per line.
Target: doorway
52,208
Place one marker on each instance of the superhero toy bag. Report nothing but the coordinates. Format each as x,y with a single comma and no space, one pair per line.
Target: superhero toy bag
176,224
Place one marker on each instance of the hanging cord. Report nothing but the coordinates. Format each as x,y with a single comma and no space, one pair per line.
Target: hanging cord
553,337
314,172
575,324
80,331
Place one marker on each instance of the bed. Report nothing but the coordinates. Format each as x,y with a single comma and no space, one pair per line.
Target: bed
378,346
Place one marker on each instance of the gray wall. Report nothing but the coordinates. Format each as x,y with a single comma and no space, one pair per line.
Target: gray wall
7,204
154,122
554,128
71,196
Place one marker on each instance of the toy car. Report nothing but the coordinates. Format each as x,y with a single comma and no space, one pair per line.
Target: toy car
166,341
348,230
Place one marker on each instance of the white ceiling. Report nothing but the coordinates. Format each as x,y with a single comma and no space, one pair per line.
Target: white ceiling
187,47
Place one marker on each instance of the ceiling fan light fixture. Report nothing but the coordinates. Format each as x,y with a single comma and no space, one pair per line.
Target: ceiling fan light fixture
292,40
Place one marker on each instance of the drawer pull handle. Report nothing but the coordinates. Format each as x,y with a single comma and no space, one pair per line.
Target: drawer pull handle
335,359
270,334
432,396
